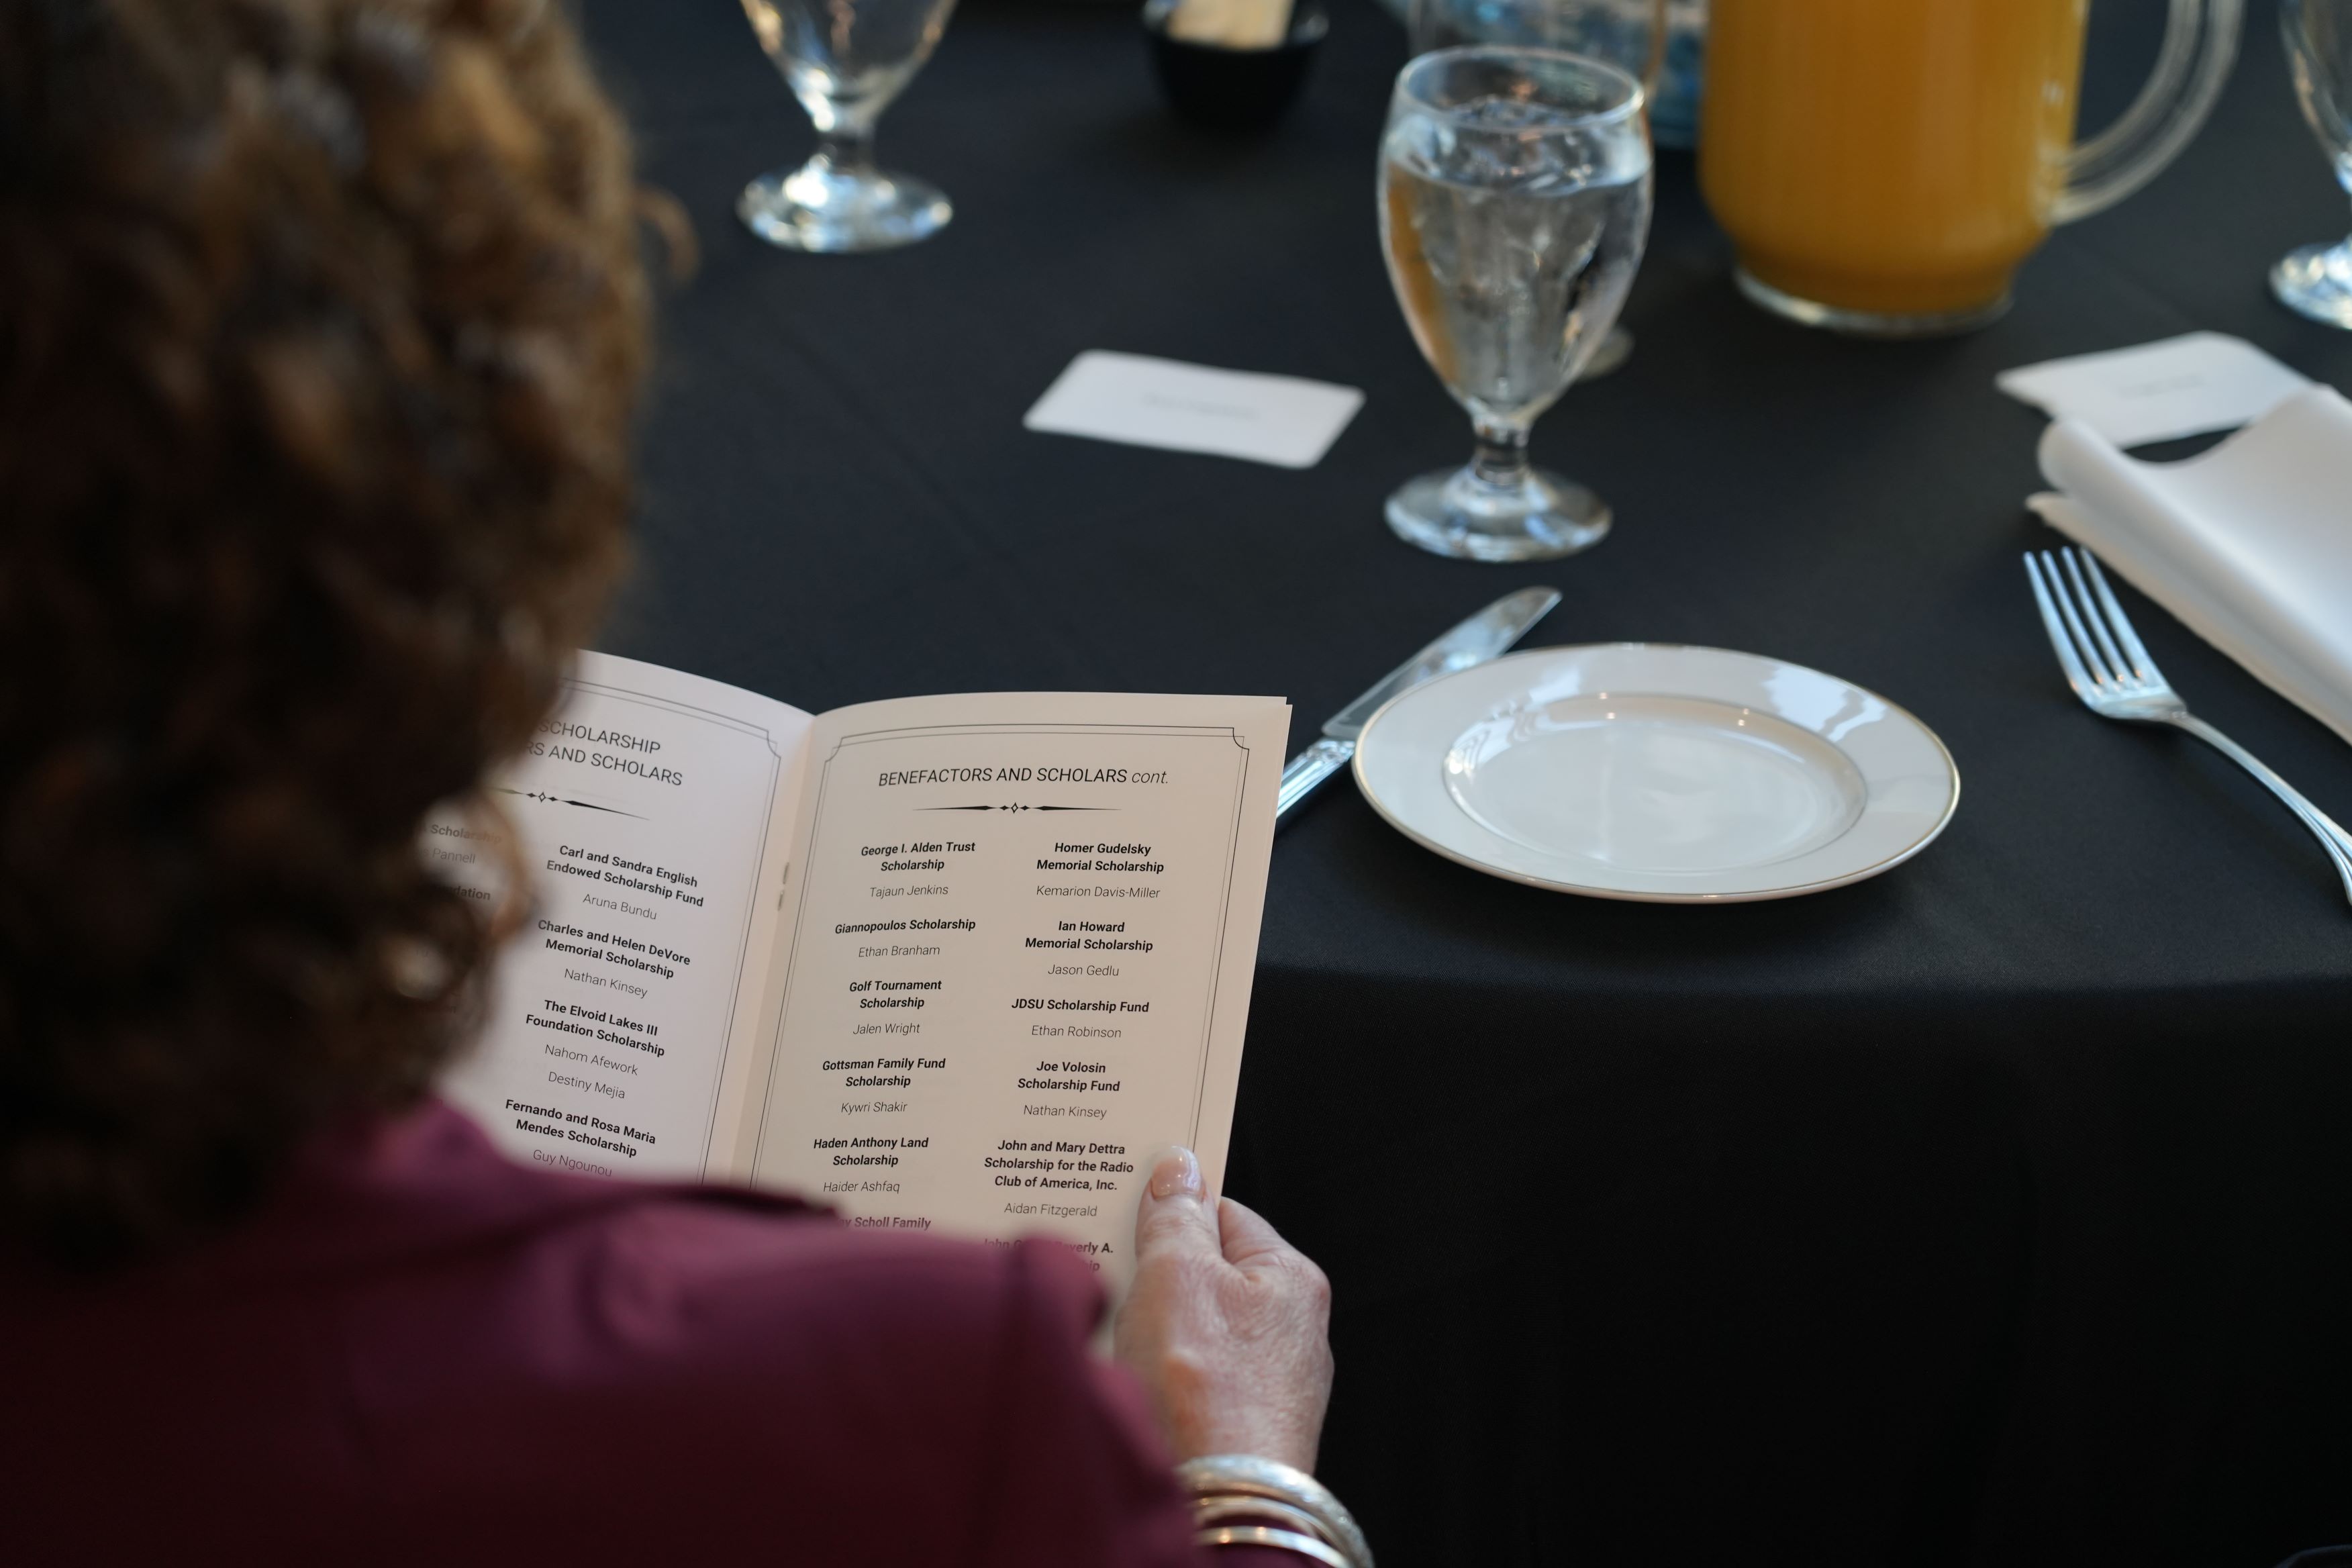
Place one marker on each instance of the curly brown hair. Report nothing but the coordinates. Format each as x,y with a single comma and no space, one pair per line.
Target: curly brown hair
320,327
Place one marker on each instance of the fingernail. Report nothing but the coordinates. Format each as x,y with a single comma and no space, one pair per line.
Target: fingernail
1178,1172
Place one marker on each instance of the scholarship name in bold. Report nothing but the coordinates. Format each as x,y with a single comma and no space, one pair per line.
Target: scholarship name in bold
596,1024
1100,857
1081,1167
868,1151
599,866
1077,1004
860,987
608,751
921,855
612,947
1092,1083
1090,936
589,1128
883,1072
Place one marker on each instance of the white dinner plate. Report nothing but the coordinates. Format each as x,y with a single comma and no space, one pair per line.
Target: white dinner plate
1656,772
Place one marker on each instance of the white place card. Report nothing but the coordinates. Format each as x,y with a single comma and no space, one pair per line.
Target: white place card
1180,407
2161,391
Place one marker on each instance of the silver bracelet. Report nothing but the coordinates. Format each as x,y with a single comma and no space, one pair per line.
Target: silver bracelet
1248,1476
1281,1539
1209,1510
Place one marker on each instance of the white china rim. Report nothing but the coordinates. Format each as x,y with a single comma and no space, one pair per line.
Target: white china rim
1454,833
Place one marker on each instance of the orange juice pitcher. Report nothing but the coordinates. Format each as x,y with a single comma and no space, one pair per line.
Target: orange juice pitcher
1882,166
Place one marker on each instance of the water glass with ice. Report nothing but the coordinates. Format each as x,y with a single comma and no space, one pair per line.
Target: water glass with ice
1515,202
1631,34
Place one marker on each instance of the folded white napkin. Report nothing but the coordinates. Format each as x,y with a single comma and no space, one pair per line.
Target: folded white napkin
2250,544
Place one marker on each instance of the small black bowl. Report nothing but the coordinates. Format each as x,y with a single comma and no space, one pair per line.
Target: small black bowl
1233,89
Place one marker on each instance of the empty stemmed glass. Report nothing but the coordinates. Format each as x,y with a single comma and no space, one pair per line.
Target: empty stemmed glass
1515,202
2317,280
844,60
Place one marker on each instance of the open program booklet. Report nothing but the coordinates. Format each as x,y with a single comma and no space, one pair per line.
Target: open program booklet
950,964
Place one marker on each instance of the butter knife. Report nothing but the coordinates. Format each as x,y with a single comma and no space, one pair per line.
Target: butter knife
1484,636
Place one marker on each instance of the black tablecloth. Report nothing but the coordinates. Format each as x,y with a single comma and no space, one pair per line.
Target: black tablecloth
1993,1211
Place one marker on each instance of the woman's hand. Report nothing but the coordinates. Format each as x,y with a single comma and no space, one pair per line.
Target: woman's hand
1227,1324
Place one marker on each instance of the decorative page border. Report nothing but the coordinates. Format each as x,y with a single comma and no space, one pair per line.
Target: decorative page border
751,900
1225,902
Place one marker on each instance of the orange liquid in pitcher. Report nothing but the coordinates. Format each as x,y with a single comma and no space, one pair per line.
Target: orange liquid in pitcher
1895,157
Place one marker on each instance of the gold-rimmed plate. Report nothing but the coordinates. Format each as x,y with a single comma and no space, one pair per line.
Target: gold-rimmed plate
1658,772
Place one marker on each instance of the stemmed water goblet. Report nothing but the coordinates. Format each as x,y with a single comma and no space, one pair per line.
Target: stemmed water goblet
2317,280
844,60
1631,34
1515,202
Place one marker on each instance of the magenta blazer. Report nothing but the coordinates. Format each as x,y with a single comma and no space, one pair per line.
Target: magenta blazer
420,1353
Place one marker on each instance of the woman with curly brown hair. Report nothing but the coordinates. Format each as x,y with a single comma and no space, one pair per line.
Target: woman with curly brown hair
320,328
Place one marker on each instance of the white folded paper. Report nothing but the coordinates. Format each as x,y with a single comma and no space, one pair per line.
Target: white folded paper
2181,386
1148,401
2250,544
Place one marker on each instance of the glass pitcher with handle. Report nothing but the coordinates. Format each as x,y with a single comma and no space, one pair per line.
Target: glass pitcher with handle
1883,166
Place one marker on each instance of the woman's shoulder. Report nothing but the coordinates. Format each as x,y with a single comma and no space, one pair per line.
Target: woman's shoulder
747,1282
423,1332
880,1387
671,1280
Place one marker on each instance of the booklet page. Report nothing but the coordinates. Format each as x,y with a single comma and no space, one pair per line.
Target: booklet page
647,815
1020,957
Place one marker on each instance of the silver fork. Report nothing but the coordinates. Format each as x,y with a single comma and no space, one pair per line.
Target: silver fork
2112,675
